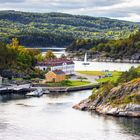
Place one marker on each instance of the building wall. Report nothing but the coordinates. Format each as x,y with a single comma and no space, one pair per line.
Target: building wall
60,78
68,69
51,77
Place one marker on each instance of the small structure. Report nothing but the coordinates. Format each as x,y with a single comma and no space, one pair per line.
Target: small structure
66,65
55,76
108,73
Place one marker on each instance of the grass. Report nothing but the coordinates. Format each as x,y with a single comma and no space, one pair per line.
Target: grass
113,78
69,83
92,73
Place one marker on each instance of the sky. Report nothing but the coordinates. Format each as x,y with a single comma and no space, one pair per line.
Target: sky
118,9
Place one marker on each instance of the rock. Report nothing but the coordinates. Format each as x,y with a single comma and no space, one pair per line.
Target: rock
127,91
83,105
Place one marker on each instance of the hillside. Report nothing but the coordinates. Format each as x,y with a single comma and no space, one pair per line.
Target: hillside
123,100
17,61
103,49
59,29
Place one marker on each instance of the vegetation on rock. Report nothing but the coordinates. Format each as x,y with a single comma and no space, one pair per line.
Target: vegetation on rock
123,91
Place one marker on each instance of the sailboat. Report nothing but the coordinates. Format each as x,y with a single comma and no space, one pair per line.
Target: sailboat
85,60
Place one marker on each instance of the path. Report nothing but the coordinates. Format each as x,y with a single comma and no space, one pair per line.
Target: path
90,78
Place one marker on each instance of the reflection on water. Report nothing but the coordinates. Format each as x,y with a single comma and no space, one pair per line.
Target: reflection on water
52,118
130,125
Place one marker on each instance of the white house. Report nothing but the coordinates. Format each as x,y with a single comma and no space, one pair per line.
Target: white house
63,64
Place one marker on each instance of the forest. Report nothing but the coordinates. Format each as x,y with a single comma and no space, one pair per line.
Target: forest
60,29
17,61
127,48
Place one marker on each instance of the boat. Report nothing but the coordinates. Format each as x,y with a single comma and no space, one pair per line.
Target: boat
85,60
37,93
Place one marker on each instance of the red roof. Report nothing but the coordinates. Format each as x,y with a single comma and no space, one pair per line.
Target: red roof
55,62
58,72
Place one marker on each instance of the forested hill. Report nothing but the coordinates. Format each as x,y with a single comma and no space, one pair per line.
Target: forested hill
58,29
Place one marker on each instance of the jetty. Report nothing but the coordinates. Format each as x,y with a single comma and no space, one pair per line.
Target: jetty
28,90
15,89
65,89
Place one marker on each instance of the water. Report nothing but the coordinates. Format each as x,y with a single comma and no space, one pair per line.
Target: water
102,66
96,66
51,117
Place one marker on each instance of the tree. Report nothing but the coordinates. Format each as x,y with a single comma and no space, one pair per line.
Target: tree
49,55
14,43
63,56
39,57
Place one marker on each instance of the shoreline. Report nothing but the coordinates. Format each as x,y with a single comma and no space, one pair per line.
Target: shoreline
129,110
112,61
66,89
120,101
24,91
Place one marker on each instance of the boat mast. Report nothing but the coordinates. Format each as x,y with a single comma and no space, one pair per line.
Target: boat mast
85,59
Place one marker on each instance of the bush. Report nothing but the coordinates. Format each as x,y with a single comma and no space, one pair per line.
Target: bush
129,75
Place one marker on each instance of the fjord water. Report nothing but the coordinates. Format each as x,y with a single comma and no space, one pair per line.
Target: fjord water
98,66
102,66
52,117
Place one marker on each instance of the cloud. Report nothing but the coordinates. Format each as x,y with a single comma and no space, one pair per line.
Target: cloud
119,9
11,1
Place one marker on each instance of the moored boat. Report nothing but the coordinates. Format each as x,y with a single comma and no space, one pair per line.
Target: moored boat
85,60
37,93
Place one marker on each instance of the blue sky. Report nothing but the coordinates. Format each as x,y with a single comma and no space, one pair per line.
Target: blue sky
118,9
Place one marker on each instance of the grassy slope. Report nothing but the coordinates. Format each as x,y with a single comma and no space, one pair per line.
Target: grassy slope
115,75
120,95
92,73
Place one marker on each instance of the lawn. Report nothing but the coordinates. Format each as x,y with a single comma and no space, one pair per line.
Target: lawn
113,78
69,83
93,73
77,83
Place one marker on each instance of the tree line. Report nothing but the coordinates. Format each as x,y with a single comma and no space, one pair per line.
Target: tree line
58,29
128,48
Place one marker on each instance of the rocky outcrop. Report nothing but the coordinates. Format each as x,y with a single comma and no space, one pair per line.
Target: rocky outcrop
123,101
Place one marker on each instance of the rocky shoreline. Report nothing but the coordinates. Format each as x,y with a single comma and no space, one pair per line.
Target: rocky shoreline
129,110
99,58
123,100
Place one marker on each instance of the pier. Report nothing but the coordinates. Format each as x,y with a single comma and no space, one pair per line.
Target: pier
66,89
15,89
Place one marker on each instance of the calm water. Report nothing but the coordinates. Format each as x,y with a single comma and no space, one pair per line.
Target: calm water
97,66
52,118
101,66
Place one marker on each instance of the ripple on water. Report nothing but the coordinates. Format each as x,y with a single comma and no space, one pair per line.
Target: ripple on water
53,118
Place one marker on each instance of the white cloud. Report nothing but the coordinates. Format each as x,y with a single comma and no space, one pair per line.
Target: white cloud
119,9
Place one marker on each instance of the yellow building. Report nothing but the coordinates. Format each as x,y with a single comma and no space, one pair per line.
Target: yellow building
55,76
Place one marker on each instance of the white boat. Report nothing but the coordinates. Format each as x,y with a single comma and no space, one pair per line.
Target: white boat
37,93
85,60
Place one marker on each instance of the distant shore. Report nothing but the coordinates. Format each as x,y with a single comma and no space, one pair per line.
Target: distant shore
109,60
